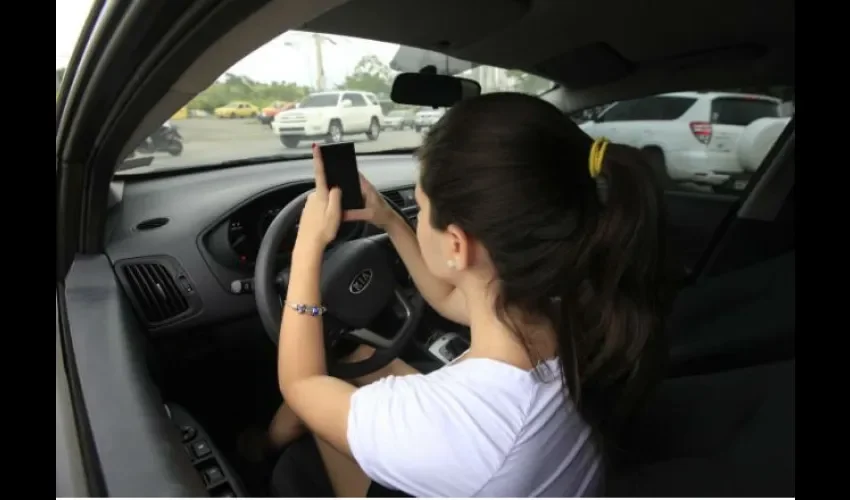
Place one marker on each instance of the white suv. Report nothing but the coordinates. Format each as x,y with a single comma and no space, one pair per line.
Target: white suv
329,116
426,118
688,136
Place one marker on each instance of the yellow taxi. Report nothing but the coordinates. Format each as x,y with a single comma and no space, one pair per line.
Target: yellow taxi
237,109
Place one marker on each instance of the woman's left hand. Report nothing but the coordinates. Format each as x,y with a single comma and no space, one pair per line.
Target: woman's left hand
323,212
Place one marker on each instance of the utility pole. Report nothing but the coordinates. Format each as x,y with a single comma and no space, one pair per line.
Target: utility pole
318,42
320,64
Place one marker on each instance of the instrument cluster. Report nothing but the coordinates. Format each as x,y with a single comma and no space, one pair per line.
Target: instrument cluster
248,225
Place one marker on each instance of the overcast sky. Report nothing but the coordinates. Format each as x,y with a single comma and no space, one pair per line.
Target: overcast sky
290,57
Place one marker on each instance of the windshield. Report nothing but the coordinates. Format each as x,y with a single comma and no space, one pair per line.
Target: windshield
70,17
335,88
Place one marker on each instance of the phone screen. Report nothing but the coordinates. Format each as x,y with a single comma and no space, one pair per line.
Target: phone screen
341,171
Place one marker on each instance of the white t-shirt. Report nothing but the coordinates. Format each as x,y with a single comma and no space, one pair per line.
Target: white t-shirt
475,428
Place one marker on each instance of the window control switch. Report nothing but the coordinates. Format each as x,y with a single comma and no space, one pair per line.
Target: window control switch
213,475
201,449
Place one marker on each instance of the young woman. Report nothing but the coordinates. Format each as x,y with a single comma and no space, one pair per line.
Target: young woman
560,281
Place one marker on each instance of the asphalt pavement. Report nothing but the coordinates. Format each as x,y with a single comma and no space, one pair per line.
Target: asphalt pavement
211,140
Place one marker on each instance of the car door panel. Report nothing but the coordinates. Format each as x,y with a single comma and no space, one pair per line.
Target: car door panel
71,478
692,219
117,393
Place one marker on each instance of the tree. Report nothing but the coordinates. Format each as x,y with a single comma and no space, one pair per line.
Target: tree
232,87
369,75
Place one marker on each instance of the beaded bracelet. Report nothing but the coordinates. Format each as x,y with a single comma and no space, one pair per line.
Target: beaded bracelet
307,309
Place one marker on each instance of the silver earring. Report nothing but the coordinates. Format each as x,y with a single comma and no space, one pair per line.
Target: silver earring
451,264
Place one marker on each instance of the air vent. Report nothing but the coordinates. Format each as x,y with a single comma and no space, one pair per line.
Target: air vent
396,197
147,225
155,292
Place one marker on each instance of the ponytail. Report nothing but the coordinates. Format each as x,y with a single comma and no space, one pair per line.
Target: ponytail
522,179
610,322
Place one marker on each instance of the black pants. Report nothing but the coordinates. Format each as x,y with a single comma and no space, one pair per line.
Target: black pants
300,472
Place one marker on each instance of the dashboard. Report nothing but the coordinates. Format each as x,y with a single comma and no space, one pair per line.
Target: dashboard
244,229
178,243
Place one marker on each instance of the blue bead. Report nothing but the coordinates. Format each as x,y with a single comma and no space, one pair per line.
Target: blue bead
315,311
301,308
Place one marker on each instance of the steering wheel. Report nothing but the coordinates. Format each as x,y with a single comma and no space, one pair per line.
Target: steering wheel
357,283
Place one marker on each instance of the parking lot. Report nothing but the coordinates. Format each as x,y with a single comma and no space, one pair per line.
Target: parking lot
211,140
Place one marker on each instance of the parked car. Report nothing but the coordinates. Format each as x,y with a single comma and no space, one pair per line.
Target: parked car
237,109
687,136
399,119
427,117
756,141
330,116
269,112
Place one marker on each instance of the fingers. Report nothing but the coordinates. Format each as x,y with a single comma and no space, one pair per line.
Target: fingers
359,214
365,185
334,201
319,168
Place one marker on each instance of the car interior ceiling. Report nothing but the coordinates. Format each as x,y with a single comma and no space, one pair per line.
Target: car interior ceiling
722,423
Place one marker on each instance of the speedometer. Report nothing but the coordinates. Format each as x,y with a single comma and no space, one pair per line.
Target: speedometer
265,221
239,241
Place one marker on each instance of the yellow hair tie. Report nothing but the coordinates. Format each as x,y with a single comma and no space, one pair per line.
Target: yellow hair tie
597,153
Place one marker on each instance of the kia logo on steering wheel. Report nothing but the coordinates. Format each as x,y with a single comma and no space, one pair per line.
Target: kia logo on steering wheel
360,282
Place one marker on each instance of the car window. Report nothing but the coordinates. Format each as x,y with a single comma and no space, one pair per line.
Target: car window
742,111
319,101
70,17
357,100
686,138
650,108
314,71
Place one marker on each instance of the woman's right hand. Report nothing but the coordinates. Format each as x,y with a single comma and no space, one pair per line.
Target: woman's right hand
443,297
376,210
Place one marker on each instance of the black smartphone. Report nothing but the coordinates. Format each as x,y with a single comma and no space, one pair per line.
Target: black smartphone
341,171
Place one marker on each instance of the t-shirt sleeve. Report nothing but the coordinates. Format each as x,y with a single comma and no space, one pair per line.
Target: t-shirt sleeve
426,438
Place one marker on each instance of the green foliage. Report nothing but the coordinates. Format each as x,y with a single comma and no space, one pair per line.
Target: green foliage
369,75
241,88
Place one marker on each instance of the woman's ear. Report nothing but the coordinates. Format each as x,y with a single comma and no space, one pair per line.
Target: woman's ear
457,248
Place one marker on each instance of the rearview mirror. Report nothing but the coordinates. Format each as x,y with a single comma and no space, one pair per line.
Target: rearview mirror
439,91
